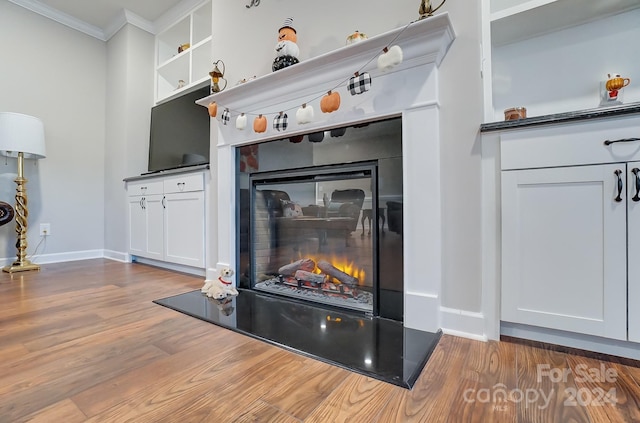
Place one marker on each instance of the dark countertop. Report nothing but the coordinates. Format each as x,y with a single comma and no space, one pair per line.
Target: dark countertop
597,113
168,172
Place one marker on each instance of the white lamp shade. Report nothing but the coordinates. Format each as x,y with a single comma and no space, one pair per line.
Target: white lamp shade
21,133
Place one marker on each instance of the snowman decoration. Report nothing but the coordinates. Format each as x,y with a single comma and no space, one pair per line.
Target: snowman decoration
287,48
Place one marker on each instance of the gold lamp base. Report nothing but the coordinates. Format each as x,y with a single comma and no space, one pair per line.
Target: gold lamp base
21,267
22,264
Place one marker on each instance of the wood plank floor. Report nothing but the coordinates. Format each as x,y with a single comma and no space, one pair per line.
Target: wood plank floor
82,342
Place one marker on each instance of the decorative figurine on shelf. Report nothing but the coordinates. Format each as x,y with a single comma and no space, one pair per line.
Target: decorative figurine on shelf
355,37
613,86
427,10
287,48
217,76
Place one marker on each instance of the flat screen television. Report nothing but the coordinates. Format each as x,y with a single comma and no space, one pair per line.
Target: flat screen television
179,133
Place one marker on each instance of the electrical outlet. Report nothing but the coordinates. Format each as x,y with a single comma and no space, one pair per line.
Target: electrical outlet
45,229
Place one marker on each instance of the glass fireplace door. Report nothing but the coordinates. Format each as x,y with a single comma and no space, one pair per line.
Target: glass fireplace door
307,234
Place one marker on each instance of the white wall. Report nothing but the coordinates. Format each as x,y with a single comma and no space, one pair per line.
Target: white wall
323,27
57,74
130,81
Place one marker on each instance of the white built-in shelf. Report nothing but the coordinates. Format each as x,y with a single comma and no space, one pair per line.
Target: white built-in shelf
517,20
191,65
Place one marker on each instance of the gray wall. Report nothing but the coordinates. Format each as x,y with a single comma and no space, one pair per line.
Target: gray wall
57,74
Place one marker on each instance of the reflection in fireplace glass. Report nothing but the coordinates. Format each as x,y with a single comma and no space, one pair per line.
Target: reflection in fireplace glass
305,235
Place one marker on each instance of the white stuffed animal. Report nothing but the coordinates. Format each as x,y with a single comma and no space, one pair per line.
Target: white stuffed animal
221,287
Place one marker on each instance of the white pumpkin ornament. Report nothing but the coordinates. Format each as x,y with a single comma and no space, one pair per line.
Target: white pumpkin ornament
304,114
241,121
389,58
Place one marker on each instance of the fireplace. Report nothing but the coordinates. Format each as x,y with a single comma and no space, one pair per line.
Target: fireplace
318,219
408,94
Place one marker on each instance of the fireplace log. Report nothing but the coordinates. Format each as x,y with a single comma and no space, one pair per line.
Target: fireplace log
290,269
333,271
303,275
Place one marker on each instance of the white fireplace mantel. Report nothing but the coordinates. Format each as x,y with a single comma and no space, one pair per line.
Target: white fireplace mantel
409,90
423,42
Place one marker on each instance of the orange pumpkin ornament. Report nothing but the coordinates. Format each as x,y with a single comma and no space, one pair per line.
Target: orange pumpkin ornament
213,109
260,124
330,102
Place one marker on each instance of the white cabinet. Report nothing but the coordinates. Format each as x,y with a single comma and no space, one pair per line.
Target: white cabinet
184,220
178,71
564,249
167,219
633,224
571,228
146,236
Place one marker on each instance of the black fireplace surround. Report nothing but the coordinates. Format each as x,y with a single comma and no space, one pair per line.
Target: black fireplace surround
301,195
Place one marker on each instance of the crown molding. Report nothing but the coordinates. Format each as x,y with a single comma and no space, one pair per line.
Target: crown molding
127,17
176,13
124,17
61,17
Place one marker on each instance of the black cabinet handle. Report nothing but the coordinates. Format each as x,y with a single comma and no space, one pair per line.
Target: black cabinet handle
164,203
635,171
607,142
618,172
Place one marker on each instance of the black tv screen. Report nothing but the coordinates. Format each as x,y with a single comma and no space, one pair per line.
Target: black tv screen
179,133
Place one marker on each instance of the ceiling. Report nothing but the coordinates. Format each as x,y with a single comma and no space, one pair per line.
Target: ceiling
103,18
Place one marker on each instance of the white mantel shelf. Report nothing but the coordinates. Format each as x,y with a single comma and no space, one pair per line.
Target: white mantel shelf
423,41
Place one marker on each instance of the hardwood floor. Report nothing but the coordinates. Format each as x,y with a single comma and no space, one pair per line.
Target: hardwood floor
82,342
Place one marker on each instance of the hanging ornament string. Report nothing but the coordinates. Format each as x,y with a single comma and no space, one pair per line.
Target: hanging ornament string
340,84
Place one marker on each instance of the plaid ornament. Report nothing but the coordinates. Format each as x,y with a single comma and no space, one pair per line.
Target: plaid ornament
280,122
225,117
359,83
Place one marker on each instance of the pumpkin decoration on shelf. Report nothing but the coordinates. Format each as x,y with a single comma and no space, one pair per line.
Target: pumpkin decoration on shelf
390,57
359,83
355,37
280,122
330,102
304,114
287,47
260,124
241,121
213,109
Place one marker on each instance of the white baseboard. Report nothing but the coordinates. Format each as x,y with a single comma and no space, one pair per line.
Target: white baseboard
572,340
171,266
463,323
60,257
117,256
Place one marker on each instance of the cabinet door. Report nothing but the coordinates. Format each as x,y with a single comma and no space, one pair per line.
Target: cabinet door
137,226
184,228
633,221
154,207
564,249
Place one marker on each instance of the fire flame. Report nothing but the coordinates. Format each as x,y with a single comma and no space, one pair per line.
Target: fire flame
341,263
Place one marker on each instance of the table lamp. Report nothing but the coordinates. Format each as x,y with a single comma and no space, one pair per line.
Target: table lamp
21,136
